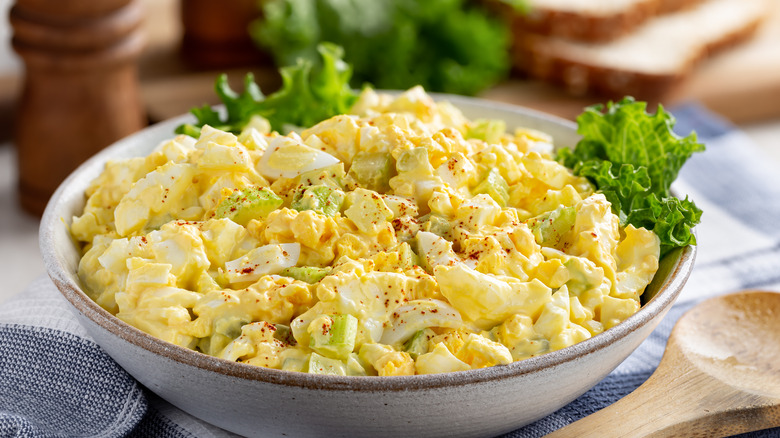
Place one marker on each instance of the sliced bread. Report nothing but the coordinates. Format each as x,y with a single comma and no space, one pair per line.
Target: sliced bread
593,20
646,62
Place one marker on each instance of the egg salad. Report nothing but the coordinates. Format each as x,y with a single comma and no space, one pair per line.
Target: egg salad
399,239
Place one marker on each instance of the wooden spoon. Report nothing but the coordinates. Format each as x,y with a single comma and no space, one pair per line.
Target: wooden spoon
719,376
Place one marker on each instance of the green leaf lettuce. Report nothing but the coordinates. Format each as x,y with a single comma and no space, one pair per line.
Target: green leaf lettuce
633,157
308,95
444,45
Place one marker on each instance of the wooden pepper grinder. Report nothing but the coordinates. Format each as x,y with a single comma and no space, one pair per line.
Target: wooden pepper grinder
81,89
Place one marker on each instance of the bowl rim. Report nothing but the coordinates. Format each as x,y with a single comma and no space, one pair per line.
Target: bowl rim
58,272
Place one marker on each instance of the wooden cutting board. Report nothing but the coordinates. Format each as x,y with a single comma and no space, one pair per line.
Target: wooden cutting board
741,83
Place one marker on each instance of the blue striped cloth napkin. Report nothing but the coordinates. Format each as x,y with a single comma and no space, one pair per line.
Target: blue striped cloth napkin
56,382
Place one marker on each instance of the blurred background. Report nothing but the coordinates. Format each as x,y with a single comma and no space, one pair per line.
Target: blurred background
77,75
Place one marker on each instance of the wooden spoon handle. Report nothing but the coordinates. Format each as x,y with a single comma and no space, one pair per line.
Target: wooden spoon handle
677,401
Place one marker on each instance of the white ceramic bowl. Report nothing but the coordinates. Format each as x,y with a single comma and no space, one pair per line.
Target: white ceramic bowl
256,401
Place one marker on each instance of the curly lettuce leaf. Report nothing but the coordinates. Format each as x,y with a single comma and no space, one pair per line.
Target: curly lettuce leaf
444,45
633,157
307,96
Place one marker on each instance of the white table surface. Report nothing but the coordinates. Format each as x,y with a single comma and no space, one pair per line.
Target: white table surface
20,258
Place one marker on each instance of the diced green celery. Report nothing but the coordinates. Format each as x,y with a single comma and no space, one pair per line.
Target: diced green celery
487,130
413,159
549,228
225,330
284,333
438,226
308,274
205,283
229,326
494,185
249,203
189,129
321,198
330,176
204,345
295,364
408,258
491,334
334,335
356,366
373,170
221,278
582,276
325,365
418,343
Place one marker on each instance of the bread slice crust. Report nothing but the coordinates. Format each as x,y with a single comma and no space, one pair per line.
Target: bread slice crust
585,23
548,59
